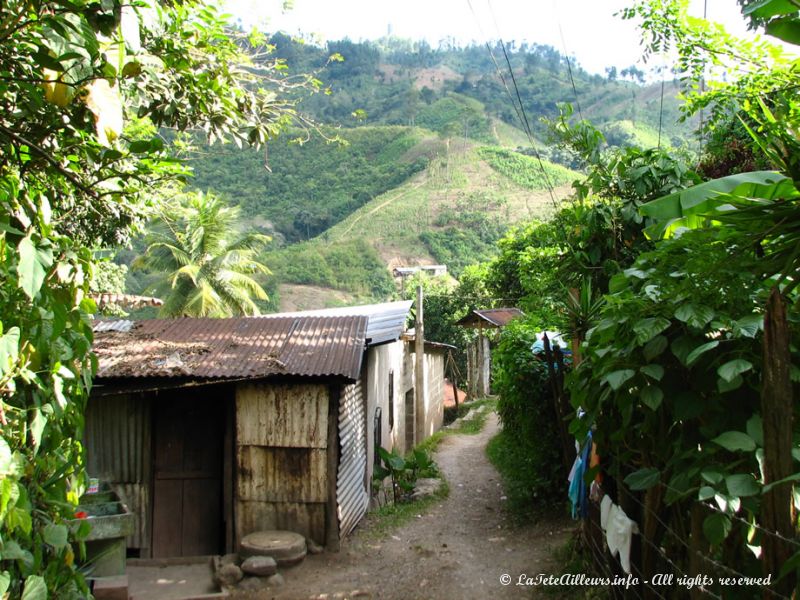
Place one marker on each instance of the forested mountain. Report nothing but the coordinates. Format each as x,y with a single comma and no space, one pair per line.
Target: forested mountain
427,142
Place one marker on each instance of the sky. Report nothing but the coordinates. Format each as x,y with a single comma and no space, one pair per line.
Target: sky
591,32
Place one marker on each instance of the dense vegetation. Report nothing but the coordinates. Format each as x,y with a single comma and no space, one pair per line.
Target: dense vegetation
406,108
300,190
680,298
84,87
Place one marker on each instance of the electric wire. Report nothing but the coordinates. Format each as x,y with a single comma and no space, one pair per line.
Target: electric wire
569,62
518,108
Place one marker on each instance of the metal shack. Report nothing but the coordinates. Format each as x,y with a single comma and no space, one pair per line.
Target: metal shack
210,429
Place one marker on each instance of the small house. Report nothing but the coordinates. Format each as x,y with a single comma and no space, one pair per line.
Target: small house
210,429
479,357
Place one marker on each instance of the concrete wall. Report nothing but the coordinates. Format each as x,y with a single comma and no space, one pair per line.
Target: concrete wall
434,396
383,362
397,360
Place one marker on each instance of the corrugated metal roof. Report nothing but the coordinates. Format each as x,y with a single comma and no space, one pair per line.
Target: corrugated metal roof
387,320
495,317
249,347
120,325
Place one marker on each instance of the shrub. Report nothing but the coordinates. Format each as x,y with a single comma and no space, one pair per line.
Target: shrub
528,448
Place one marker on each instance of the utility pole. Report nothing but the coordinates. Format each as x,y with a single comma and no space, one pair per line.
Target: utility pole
419,371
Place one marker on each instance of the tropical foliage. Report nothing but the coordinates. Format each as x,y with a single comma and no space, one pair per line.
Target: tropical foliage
206,269
83,86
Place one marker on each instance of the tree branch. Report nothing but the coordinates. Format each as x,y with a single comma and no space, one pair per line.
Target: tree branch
53,162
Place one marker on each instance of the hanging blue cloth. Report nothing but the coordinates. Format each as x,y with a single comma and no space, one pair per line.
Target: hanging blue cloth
578,490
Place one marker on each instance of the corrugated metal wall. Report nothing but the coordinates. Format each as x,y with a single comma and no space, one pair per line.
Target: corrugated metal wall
118,451
281,448
352,495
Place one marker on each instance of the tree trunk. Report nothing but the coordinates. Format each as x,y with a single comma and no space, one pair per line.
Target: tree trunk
776,412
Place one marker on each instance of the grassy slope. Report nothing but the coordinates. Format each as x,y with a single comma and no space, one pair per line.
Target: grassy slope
457,182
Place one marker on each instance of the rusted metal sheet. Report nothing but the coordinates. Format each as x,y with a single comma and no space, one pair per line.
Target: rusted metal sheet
492,317
118,451
303,518
293,416
351,492
282,474
135,496
245,347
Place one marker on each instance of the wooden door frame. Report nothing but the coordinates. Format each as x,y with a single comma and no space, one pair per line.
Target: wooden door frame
229,467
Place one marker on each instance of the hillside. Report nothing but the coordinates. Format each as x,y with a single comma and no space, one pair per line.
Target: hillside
452,213
423,168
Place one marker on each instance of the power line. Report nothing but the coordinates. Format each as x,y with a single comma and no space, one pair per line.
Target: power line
518,108
569,62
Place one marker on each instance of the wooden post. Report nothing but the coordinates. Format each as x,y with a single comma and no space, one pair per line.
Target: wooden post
332,541
454,378
419,371
576,340
567,447
776,411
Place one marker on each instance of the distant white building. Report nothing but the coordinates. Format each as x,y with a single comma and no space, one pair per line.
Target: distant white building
434,270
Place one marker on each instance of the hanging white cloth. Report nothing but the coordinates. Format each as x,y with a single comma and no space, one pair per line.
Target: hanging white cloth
619,531
605,507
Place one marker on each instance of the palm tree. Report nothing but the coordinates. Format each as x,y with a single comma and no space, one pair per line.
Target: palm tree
208,268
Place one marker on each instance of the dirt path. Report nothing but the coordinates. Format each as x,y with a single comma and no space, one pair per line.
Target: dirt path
457,550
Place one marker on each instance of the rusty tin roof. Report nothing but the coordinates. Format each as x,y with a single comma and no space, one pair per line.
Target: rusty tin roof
243,347
493,317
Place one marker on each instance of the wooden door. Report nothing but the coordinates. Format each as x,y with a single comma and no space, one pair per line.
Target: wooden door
187,486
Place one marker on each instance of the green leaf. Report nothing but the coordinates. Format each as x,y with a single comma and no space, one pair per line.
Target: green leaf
647,329
19,518
733,368
735,440
617,379
693,200
35,588
742,485
643,479
755,429
696,316
9,350
653,371
766,9
32,267
655,347
748,326
652,396
12,551
711,476
699,351
705,493
56,535
786,29
37,428
728,386
790,565
716,528
5,581
7,466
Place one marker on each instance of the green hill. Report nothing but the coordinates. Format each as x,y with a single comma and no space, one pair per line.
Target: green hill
452,213
431,164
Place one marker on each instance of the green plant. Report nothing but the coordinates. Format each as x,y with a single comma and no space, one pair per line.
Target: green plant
204,271
529,450
85,86
404,472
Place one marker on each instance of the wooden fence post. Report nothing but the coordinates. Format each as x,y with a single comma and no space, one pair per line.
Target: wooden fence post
776,412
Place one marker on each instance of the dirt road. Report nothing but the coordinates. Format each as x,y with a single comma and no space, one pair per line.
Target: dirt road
459,549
